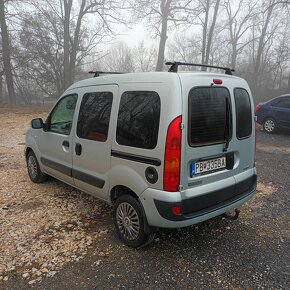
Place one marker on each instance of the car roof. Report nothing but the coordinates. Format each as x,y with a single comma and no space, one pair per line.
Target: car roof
278,97
144,77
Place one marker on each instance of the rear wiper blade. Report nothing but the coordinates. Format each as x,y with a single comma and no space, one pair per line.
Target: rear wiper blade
227,127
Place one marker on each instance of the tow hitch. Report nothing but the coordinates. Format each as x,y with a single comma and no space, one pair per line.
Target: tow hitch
232,217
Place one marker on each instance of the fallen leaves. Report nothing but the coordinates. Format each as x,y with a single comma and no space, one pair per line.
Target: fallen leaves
42,226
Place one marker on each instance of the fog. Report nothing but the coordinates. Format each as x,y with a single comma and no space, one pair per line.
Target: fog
47,45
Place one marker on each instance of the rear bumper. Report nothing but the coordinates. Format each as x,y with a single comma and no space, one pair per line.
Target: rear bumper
197,208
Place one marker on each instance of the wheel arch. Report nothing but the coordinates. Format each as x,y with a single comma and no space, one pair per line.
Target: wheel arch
27,150
119,190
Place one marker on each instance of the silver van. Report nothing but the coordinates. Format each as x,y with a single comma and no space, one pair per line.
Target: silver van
166,149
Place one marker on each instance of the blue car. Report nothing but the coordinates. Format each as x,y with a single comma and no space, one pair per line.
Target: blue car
274,114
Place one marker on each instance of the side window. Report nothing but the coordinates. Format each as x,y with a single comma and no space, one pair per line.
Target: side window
94,116
138,119
282,103
275,102
244,114
61,118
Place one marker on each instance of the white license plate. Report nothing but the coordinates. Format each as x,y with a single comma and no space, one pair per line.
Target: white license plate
208,165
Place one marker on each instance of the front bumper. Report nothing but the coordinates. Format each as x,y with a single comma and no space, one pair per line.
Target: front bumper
195,208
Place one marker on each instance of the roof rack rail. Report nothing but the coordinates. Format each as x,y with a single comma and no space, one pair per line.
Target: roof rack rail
97,73
175,64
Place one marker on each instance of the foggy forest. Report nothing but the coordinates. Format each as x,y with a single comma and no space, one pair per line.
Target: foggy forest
46,45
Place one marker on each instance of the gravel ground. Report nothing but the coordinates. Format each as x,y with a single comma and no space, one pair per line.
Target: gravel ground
54,237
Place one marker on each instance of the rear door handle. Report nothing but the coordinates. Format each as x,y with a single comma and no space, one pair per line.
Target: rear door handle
65,143
78,149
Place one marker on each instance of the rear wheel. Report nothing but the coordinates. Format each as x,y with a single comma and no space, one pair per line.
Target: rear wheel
34,172
270,125
129,221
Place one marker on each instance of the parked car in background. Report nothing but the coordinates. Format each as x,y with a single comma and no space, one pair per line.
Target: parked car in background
274,114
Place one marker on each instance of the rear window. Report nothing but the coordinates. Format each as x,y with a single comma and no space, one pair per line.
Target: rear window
243,111
209,115
138,119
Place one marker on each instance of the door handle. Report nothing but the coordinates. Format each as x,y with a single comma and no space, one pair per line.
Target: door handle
65,143
78,149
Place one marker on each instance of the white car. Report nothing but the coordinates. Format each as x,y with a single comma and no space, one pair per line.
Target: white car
166,149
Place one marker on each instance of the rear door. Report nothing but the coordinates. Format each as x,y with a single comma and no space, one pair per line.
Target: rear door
218,135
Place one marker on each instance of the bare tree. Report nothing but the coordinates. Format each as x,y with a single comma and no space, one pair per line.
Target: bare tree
208,27
56,37
264,37
237,25
144,57
185,48
161,14
119,59
106,10
6,55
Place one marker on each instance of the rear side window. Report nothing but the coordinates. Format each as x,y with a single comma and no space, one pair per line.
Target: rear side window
94,116
282,103
138,119
209,116
244,114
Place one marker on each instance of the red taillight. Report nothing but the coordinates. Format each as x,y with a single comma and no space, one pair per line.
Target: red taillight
255,142
258,107
176,209
171,176
217,81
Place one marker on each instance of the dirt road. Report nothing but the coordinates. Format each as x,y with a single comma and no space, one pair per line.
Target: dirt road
54,237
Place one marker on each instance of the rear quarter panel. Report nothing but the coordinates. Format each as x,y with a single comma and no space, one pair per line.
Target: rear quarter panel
130,173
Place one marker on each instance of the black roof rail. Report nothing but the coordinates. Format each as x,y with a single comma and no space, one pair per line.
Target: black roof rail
175,64
97,73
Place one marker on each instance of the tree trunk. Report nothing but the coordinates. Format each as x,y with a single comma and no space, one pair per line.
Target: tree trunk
1,88
66,42
6,55
211,31
163,36
204,32
234,55
75,45
261,44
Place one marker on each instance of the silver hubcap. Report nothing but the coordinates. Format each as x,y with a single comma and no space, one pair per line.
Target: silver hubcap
32,166
269,126
128,221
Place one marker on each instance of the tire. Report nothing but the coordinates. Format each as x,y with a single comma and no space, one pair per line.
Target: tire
34,172
129,222
270,125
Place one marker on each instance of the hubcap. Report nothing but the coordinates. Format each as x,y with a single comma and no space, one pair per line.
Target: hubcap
269,125
128,221
32,166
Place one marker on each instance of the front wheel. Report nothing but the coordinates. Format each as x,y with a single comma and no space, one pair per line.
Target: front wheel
270,125
34,172
129,221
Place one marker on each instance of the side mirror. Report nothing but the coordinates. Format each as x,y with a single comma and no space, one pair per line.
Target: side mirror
37,123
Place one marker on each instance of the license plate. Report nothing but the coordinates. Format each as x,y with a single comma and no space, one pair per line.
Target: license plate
208,166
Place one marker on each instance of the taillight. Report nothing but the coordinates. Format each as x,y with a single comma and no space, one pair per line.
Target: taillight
171,176
258,107
255,142
217,81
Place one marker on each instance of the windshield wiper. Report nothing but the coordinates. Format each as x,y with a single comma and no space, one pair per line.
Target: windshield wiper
227,126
